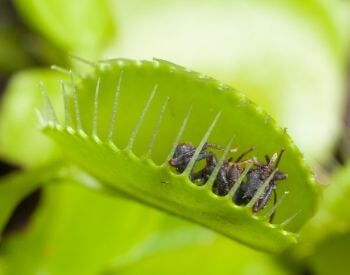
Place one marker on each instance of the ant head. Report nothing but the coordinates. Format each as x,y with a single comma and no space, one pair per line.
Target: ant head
182,148
182,151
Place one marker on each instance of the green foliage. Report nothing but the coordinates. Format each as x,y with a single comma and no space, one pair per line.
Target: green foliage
216,256
128,165
330,226
20,140
16,186
333,216
331,256
68,233
12,56
82,27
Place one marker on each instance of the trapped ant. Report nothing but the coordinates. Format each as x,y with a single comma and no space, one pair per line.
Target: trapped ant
185,151
227,176
229,173
256,178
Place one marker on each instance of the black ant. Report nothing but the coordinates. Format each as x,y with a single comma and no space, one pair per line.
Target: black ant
256,178
185,151
229,173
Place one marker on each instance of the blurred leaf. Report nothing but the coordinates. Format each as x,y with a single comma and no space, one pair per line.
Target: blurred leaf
331,256
218,256
172,235
285,55
81,26
12,54
77,231
142,178
20,141
333,216
20,48
16,186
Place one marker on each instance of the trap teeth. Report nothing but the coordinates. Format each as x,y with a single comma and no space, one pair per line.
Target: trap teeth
141,118
179,135
114,108
190,165
156,128
50,119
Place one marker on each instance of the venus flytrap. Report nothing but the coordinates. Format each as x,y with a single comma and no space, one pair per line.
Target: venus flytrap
127,119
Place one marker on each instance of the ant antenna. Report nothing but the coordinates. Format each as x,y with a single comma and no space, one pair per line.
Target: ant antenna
267,158
245,153
279,157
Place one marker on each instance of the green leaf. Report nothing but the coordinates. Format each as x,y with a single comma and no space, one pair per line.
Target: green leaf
83,27
333,217
14,187
79,231
331,256
102,139
12,54
20,141
215,256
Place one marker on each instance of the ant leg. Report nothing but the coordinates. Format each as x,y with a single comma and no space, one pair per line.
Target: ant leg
244,154
218,147
205,155
245,162
203,175
196,176
213,146
279,157
257,162
261,203
274,203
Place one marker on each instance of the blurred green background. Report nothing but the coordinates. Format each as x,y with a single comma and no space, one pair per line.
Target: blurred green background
291,57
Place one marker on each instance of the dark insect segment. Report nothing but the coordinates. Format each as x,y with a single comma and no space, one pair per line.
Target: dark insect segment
231,171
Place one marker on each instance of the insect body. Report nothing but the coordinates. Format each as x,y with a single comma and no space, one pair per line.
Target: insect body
229,173
185,151
202,176
255,179
227,176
